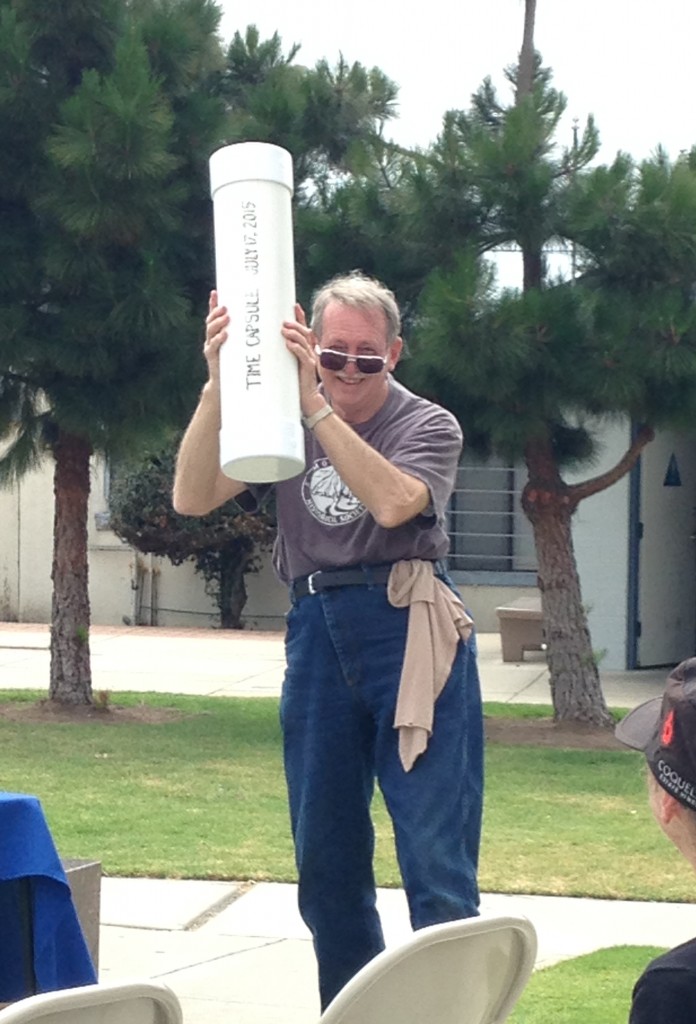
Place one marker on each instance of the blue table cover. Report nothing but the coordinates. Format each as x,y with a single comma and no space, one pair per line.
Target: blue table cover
38,920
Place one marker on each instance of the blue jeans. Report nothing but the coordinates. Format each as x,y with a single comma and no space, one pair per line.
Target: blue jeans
344,651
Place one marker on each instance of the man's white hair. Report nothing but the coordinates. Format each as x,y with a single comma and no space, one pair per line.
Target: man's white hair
360,292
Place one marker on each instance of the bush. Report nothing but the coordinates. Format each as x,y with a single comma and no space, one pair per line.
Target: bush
225,544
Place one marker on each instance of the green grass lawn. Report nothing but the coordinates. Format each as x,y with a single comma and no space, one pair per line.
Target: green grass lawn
203,796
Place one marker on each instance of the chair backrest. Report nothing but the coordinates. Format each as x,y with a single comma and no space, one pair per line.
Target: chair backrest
462,972
137,1002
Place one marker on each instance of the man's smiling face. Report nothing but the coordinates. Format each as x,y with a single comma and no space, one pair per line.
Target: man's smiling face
356,396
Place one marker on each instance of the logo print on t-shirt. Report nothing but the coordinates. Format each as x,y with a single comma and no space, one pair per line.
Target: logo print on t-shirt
327,497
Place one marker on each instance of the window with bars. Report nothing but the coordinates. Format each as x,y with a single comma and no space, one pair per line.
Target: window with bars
489,532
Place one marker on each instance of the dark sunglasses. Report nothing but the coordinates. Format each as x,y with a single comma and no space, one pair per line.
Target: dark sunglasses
330,359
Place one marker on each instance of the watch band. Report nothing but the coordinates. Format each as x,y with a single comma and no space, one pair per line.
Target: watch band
310,422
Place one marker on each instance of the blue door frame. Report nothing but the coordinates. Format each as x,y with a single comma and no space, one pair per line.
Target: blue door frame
635,533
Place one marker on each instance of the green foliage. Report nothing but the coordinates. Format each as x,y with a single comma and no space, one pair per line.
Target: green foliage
509,158
108,113
619,339
101,161
224,545
331,119
327,117
124,247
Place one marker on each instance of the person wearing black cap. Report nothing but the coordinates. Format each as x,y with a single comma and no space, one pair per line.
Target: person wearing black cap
665,730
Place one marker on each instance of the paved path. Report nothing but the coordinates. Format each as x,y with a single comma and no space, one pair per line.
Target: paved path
239,953
239,663
242,955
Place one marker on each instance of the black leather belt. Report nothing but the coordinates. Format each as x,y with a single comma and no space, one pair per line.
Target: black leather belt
351,576
324,579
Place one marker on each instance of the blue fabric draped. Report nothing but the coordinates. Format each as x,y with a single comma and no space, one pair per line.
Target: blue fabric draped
42,947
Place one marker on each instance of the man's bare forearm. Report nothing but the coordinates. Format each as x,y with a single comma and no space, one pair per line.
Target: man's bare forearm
392,496
199,484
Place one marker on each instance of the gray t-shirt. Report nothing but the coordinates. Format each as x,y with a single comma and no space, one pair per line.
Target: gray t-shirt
322,525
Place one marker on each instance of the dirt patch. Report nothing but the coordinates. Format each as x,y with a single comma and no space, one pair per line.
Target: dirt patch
112,714
535,732
544,732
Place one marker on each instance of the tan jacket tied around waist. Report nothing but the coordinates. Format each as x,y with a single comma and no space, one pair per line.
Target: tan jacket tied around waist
437,621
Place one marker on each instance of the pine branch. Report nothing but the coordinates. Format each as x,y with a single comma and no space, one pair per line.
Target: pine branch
585,489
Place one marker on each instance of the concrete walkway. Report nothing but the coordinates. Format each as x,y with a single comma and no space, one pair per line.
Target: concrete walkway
244,664
239,952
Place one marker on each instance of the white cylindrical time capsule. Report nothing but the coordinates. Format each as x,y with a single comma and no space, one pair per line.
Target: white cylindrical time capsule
261,436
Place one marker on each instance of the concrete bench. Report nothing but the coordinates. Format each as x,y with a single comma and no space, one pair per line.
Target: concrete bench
521,627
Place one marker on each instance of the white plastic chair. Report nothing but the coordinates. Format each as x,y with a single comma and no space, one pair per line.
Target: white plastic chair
462,972
137,1002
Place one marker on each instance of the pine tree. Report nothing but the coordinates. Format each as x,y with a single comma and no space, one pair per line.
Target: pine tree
109,111
107,119
534,374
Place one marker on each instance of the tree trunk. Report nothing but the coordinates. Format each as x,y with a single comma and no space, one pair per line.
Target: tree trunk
549,505
525,69
71,677
232,594
532,253
532,268
575,688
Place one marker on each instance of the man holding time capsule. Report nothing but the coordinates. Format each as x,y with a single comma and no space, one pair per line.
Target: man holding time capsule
381,681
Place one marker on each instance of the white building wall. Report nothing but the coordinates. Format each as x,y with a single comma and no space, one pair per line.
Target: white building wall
600,538
9,553
125,586
35,539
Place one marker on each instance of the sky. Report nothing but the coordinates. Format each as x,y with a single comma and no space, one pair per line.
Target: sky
628,62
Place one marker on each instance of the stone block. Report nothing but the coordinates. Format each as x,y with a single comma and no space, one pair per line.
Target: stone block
84,879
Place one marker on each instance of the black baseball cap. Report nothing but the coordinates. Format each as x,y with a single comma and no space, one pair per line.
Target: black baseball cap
664,728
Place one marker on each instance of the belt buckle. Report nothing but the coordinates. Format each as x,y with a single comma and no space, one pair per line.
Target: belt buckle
311,589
